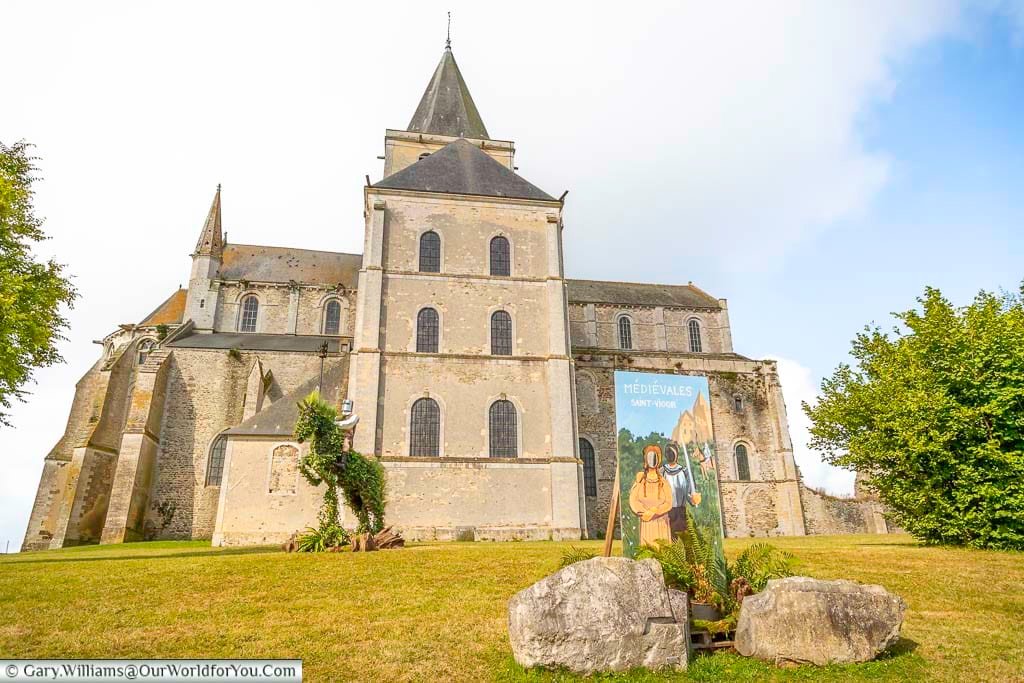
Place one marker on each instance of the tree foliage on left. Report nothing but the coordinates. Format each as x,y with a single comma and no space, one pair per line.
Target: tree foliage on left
361,479
32,293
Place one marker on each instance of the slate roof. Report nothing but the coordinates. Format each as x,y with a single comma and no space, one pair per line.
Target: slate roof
169,312
257,342
460,167
446,107
637,294
278,419
282,264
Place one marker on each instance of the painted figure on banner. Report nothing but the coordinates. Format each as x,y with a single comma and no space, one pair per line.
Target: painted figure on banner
680,481
666,457
651,499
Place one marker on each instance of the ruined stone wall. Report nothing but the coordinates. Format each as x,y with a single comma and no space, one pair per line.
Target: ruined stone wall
205,395
769,504
825,514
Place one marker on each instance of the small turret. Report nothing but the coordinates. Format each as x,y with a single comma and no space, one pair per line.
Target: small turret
201,305
211,240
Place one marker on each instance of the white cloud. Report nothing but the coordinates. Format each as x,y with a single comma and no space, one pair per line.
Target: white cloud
798,386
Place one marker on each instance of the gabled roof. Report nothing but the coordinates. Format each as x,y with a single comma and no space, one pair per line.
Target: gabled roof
281,264
446,107
461,167
169,312
638,294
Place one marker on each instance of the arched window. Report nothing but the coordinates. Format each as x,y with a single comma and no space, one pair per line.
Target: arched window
502,429
332,317
426,331
501,333
250,312
589,468
742,463
430,252
737,403
215,463
501,261
694,326
425,428
625,333
145,348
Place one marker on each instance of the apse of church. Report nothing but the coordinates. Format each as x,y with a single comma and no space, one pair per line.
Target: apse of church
481,375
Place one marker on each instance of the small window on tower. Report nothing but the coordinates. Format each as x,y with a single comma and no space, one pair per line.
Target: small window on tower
202,303
738,403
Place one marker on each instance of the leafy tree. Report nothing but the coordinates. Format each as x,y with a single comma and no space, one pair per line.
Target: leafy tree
934,415
361,479
31,293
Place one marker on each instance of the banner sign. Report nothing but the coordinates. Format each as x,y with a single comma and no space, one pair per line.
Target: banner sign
667,460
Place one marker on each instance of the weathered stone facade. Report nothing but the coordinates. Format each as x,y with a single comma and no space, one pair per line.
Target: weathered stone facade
183,429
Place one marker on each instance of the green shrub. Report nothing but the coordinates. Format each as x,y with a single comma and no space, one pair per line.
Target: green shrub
933,414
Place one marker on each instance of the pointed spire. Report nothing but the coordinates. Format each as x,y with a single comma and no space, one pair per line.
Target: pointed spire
447,108
211,241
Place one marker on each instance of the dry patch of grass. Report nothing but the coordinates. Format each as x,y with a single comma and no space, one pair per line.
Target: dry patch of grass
437,611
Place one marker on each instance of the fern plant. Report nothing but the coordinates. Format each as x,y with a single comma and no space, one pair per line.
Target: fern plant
690,563
574,555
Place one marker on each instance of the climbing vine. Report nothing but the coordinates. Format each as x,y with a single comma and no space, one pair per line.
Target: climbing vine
360,478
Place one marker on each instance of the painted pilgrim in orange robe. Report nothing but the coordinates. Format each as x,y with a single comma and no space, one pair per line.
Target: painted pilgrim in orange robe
650,499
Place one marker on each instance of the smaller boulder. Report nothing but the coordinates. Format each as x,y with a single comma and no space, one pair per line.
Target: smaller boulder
805,620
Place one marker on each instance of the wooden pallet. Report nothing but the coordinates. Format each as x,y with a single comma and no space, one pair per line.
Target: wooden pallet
702,640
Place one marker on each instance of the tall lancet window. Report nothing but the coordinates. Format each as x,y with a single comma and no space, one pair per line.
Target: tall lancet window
425,428
427,329
215,463
332,317
695,345
430,252
501,333
625,333
742,463
501,261
589,468
504,433
250,312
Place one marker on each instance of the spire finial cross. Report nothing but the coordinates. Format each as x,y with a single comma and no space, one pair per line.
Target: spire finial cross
448,41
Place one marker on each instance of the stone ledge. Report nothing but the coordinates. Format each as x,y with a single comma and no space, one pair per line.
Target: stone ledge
457,461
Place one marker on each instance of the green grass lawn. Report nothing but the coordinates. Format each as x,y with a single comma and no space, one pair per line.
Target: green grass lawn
437,611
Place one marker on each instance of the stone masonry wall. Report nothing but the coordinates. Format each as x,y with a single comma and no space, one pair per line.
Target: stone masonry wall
825,514
205,395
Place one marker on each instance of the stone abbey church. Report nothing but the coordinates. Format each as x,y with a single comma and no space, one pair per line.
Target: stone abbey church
482,376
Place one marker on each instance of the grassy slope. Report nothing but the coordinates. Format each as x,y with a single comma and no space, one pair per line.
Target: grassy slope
437,611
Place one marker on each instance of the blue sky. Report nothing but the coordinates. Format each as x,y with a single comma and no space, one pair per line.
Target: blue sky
815,163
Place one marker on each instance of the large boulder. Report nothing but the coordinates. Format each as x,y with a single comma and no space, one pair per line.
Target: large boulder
805,620
603,614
